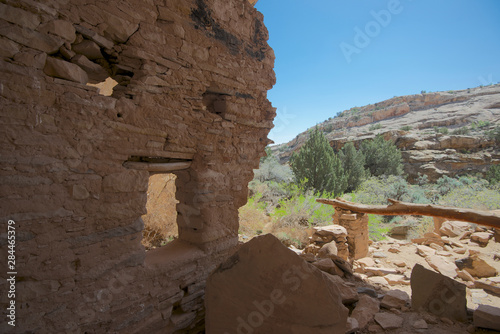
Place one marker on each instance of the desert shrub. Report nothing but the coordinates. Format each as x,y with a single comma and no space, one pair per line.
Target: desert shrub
406,128
252,216
377,229
376,190
303,210
441,130
382,157
472,198
374,127
494,134
493,174
461,131
271,170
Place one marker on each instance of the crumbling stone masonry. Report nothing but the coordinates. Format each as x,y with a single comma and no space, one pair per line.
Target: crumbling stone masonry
191,99
356,225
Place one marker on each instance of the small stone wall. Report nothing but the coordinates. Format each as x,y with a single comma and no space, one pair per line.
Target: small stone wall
192,87
356,225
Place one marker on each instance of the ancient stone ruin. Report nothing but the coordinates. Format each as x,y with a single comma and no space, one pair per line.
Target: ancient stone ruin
191,99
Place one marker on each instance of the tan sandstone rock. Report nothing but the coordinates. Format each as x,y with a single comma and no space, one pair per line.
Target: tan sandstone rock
276,294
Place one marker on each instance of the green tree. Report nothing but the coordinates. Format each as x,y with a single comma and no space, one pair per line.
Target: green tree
493,174
318,166
382,157
353,162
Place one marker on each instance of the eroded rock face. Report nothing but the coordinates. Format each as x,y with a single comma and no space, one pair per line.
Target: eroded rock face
192,87
266,288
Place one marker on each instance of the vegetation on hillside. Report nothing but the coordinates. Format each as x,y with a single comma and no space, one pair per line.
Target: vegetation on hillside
282,198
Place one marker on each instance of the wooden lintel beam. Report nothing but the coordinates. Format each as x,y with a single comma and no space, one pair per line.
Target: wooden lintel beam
397,208
158,167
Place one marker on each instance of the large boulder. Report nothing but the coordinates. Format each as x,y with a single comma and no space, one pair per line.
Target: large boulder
437,294
266,288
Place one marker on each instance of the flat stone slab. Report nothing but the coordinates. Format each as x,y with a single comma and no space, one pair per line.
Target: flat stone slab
267,288
437,294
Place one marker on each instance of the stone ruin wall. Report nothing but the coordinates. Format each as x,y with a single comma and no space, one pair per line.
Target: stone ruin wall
193,78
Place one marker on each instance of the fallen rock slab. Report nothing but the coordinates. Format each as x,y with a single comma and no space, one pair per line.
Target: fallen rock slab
437,294
365,310
442,265
425,251
348,294
389,320
476,266
395,299
454,228
486,316
481,238
393,279
255,292
352,326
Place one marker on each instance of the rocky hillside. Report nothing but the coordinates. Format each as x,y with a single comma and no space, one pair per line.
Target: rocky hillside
443,133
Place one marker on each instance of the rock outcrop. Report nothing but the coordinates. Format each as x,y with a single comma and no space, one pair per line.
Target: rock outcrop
411,122
192,90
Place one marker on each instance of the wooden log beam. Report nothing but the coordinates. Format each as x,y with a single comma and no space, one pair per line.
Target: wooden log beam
397,208
158,167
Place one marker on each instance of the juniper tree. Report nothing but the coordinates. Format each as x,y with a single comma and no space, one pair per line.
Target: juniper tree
353,162
382,157
317,165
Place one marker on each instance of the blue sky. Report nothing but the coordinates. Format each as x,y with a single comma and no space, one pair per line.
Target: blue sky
332,55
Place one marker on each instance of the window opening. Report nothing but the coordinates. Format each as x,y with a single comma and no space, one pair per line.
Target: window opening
160,223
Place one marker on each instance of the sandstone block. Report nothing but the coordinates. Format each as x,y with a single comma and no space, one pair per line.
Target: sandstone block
365,310
328,249
481,238
437,294
454,228
425,251
253,291
441,265
8,48
393,279
127,181
395,299
119,29
18,16
95,72
378,281
32,39
420,324
476,266
89,49
92,35
352,326
486,316
328,266
389,320
60,28
366,262
380,271
348,293
62,69
31,59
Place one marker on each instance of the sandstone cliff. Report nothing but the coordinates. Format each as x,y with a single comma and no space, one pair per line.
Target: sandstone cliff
440,133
